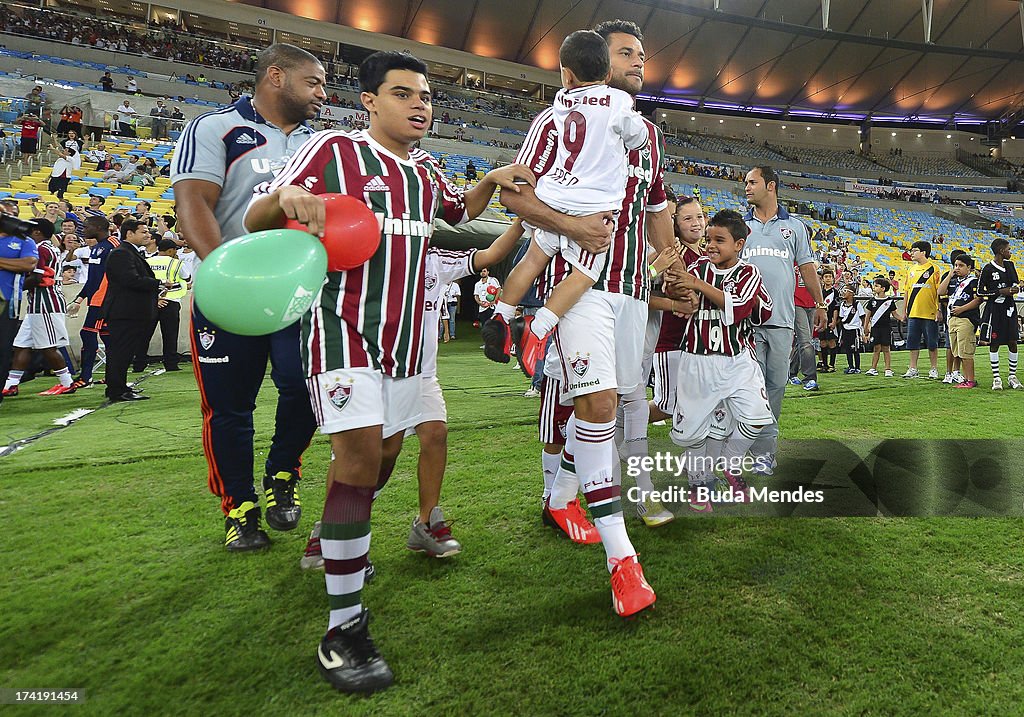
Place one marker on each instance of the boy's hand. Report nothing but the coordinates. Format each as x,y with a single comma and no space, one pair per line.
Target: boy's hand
511,176
303,207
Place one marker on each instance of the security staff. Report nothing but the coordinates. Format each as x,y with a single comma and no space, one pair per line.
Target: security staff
166,267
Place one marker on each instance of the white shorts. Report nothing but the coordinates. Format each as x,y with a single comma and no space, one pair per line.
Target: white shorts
705,382
346,399
666,368
599,343
552,244
432,404
42,331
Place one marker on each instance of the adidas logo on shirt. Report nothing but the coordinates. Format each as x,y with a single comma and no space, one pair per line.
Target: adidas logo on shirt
376,185
245,139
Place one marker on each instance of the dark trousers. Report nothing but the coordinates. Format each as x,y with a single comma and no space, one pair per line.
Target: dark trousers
167,319
8,330
229,370
124,339
58,185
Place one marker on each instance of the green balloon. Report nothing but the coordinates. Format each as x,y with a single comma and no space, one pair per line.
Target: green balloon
261,282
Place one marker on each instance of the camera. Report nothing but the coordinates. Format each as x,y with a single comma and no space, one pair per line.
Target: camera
12,226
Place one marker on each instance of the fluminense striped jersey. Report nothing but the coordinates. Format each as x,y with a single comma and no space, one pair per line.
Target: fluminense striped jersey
727,331
48,298
625,271
674,327
442,267
372,316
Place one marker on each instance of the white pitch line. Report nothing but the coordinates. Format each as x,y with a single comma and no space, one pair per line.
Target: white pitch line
72,417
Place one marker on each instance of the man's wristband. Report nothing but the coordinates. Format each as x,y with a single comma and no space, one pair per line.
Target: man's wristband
652,270
821,305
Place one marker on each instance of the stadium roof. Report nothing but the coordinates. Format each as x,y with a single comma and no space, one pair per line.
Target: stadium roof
840,58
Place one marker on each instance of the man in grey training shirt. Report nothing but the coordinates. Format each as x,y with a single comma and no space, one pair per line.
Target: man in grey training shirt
777,242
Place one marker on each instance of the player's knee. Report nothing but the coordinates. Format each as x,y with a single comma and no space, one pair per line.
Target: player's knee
432,434
596,407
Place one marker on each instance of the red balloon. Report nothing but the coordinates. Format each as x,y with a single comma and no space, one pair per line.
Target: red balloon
351,235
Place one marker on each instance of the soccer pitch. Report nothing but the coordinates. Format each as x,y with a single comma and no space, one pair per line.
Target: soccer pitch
115,580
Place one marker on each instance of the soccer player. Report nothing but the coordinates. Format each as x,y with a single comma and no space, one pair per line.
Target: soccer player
777,241
97,230
44,328
362,340
878,325
220,158
598,346
718,363
964,318
998,285
921,310
597,126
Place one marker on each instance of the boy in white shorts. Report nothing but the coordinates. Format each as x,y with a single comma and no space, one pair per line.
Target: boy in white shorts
717,365
596,126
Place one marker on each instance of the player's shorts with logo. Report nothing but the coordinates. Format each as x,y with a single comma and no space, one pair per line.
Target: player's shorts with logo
94,321
705,382
599,345
42,331
346,399
999,322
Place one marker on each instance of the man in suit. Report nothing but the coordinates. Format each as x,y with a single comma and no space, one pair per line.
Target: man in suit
130,307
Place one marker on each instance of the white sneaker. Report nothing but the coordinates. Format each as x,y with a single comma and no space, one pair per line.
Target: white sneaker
958,378
871,372
948,378
997,384
531,393
1014,383
933,374
911,373
888,373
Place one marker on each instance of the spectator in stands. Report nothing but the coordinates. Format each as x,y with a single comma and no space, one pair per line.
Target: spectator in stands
51,212
95,208
36,100
65,119
160,115
30,126
471,174
921,309
132,87
894,282
74,142
115,174
108,82
126,118
75,122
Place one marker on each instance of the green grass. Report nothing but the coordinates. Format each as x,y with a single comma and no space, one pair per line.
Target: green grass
114,578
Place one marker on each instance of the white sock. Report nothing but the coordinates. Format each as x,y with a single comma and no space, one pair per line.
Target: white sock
993,359
543,322
714,450
634,417
549,462
64,376
615,538
595,458
566,483
1013,363
505,311
13,378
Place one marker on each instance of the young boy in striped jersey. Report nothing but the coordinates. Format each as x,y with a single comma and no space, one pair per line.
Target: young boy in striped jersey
597,125
718,364
362,340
